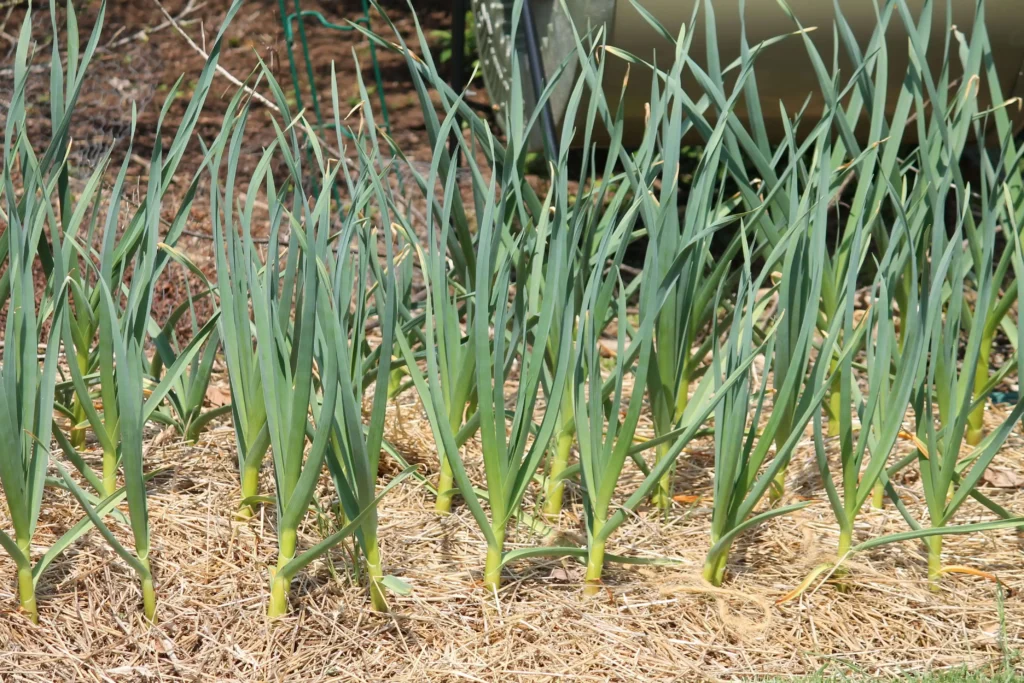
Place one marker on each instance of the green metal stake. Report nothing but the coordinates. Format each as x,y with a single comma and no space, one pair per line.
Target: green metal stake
299,16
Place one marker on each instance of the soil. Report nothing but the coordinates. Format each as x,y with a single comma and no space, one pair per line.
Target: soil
140,56
135,63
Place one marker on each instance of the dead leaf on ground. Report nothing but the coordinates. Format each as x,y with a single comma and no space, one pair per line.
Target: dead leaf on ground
558,574
218,395
686,500
1002,478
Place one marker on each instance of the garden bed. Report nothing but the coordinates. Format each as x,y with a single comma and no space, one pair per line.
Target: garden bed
647,624
661,621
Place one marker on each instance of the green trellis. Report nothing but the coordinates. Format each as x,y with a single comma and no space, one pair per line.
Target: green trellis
298,17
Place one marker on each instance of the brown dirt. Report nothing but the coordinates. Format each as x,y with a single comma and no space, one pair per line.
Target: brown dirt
136,63
140,57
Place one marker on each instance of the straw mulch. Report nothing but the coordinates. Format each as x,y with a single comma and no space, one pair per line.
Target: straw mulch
650,624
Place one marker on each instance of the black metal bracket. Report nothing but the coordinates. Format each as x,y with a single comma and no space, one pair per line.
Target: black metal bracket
539,81
534,62
456,77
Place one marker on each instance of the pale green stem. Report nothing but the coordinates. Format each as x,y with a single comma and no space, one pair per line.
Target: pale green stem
27,593
714,567
375,573
109,471
835,404
683,397
445,486
976,420
250,488
395,381
339,515
902,297
555,489
778,487
26,586
446,478
192,429
78,410
878,495
279,583
934,562
662,495
595,565
278,606
492,566
148,592
845,541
